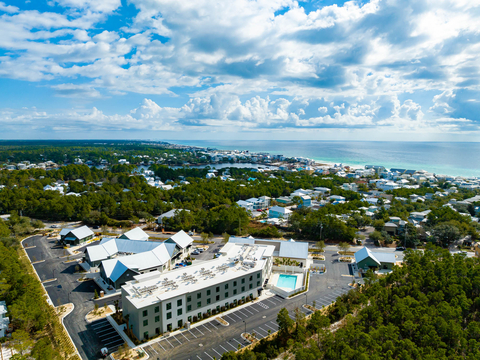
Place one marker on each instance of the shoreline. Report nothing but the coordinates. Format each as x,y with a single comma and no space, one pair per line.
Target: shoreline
463,173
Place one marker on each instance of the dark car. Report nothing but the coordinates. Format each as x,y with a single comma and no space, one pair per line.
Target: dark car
96,227
400,248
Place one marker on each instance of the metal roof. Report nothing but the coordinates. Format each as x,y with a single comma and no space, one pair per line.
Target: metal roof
82,232
109,247
182,239
65,231
378,257
296,250
135,234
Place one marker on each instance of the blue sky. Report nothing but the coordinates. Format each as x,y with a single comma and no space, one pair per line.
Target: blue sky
240,69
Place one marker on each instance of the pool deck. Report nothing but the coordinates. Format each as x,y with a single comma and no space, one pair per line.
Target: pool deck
275,276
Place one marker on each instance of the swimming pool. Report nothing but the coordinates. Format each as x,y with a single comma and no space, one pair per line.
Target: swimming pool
287,281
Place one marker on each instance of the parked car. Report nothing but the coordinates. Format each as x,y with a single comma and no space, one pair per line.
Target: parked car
55,226
190,233
200,250
400,248
217,255
195,252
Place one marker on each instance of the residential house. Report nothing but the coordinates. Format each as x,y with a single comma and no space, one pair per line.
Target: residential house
4,320
279,212
367,259
169,214
305,201
391,228
76,236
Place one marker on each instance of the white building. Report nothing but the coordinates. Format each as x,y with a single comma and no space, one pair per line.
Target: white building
279,212
4,320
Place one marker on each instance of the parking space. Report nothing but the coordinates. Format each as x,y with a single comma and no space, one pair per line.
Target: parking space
330,297
107,335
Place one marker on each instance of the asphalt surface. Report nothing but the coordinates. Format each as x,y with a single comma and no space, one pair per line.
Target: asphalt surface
67,289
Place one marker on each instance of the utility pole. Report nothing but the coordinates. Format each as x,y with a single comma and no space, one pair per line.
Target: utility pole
405,242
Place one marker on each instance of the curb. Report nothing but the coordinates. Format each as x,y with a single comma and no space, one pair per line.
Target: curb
75,346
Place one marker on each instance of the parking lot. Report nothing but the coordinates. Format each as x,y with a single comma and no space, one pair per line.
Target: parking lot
212,339
107,334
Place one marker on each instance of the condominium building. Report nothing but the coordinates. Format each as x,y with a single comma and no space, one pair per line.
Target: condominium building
159,302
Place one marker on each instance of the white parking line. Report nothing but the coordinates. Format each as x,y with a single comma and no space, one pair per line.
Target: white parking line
169,343
292,317
248,311
208,355
241,312
206,327
100,323
236,315
274,303
184,336
238,342
251,307
265,331
115,341
232,345
199,331
99,328
199,357
161,346
217,352
230,318
211,323
153,349
223,348
257,334
177,339
279,298
192,333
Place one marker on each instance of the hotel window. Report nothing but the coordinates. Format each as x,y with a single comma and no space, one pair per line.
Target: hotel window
157,318
179,302
169,315
226,294
208,301
179,312
199,295
217,289
243,288
189,298
250,286
234,291
145,312
157,309
199,304
243,281
208,292
169,306
145,322
258,276
189,307
226,286
217,298
234,283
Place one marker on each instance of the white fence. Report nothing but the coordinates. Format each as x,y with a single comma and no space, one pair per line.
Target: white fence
282,293
288,269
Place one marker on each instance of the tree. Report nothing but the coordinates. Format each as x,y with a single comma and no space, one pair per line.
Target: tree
204,237
445,234
225,237
21,341
285,323
344,247
95,296
320,245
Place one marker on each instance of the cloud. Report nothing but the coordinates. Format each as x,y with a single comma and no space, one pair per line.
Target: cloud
237,63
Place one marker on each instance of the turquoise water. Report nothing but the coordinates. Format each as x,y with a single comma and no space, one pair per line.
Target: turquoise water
448,158
287,281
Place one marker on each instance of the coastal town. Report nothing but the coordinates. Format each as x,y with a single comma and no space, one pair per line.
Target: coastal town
158,274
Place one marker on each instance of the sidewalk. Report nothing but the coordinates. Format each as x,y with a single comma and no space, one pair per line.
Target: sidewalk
120,328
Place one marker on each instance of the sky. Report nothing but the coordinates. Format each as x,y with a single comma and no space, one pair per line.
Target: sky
240,70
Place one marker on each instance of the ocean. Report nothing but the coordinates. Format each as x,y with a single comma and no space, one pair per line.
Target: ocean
448,158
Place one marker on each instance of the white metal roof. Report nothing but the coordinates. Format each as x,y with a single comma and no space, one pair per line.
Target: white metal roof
182,239
378,257
81,232
135,234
